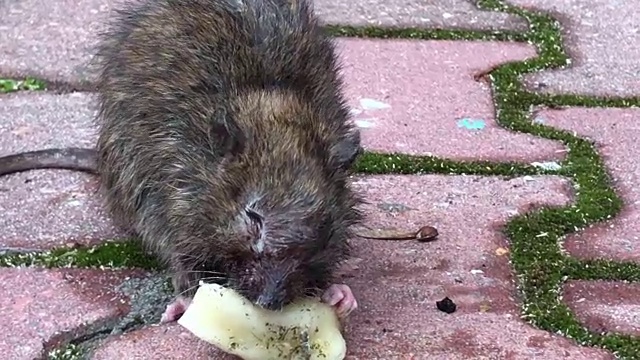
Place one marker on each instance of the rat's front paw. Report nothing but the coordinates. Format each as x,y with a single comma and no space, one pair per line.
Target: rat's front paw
341,297
175,309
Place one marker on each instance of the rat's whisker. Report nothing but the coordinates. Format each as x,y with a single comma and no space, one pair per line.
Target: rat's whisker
188,290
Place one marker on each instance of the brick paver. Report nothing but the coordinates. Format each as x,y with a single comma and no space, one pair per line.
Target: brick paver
415,13
605,305
44,308
46,208
399,88
602,37
413,97
170,342
51,39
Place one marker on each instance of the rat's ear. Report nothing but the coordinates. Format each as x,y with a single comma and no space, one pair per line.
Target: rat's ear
297,5
301,8
346,150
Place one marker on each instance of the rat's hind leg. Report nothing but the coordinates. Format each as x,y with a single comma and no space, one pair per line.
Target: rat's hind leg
341,297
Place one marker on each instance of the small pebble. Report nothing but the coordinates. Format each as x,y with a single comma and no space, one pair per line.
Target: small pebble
446,305
427,233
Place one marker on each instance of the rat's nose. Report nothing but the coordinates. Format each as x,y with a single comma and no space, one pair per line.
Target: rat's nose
269,301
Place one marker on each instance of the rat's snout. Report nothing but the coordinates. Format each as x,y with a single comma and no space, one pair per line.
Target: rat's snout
272,297
270,301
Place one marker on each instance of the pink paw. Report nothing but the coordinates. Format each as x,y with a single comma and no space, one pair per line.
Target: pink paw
175,310
340,296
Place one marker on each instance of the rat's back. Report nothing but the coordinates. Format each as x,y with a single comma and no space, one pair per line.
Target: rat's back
171,74
168,51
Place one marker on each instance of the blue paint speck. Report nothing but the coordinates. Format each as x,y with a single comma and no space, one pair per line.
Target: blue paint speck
471,124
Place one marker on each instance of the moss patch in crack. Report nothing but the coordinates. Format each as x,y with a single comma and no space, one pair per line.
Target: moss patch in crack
67,352
111,254
604,270
12,85
378,163
422,33
553,101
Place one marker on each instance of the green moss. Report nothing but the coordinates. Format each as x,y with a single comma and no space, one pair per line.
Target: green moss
68,352
584,101
111,254
534,237
422,34
11,85
378,163
600,269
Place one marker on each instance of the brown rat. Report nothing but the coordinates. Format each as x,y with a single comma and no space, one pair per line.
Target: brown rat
224,143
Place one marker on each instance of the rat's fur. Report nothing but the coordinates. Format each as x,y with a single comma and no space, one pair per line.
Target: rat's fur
225,143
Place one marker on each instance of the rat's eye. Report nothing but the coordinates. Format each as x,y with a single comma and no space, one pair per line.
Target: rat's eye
253,216
254,223
256,251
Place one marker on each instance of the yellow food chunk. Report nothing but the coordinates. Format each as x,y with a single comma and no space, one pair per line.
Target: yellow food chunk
307,329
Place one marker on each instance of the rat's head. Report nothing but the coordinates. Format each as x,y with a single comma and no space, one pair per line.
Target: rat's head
287,178
292,236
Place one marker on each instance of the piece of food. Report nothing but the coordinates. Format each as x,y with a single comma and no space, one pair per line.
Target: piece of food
307,329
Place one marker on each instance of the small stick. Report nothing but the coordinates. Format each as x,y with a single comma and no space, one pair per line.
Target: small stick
424,234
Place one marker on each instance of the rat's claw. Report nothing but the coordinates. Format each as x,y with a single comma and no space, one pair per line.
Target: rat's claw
340,296
175,309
